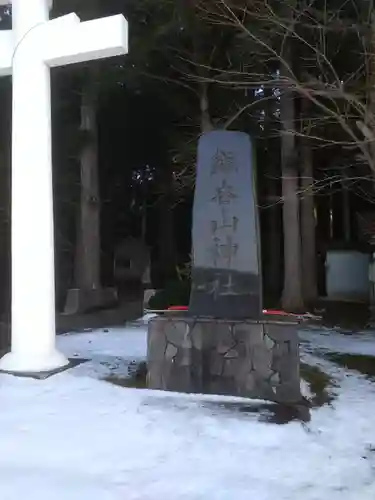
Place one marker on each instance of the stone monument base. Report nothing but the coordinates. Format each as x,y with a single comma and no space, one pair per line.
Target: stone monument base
79,300
253,359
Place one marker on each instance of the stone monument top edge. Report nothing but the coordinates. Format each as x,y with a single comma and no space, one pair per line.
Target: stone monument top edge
223,139
223,132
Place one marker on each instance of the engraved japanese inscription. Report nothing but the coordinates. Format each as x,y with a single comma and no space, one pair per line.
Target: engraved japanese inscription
226,265
223,162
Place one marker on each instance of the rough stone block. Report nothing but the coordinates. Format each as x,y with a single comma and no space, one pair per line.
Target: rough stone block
269,342
216,364
249,383
230,367
156,345
224,339
275,379
279,332
231,354
224,357
176,331
244,368
170,352
255,334
241,332
262,361
197,336
287,392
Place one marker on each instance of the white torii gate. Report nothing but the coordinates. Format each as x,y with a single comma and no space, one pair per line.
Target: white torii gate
34,45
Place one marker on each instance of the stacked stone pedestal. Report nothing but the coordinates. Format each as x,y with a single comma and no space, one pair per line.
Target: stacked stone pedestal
254,359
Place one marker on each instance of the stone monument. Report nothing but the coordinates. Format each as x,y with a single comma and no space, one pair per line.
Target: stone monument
224,344
226,273
27,52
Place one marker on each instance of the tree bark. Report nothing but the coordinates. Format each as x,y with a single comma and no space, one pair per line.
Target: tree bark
272,213
370,114
292,298
5,190
88,242
167,242
88,249
308,223
206,122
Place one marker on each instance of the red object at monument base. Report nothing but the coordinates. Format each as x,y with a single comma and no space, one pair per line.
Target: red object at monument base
273,312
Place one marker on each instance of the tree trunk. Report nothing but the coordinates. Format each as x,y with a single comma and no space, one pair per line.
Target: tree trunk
88,243
5,212
292,299
206,122
309,265
370,110
273,238
272,249
166,241
167,245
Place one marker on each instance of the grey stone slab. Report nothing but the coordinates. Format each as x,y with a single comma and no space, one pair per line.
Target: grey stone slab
244,368
184,357
177,331
170,352
269,342
242,332
223,385
231,354
226,273
256,335
156,342
197,335
287,393
182,379
289,370
210,296
238,359
262,361
216,364
230,367
224,339
198,370
280,332
280,352
250,383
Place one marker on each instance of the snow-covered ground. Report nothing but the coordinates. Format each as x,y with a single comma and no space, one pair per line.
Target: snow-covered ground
73,436
325,340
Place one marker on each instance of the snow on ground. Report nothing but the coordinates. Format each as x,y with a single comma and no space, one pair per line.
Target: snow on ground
109,351
325,340
75,437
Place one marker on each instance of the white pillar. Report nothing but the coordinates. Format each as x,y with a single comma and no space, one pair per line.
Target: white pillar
28,52
33,270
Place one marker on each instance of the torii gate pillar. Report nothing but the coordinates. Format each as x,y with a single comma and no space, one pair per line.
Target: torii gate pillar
34,45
